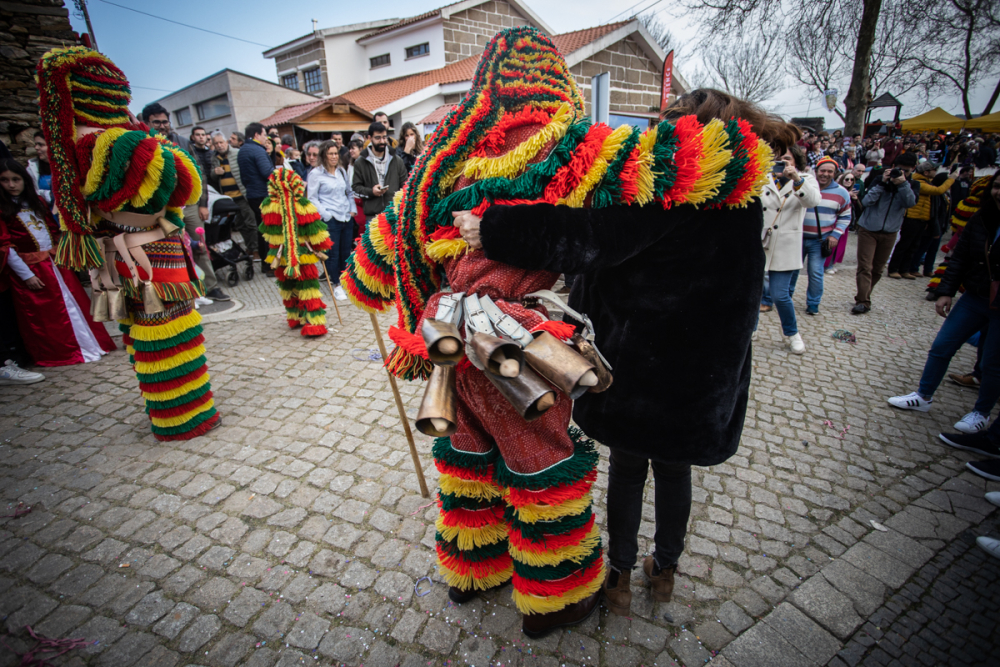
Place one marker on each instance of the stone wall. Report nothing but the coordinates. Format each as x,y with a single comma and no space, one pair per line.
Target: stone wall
467,33
310,53
635,79
28,28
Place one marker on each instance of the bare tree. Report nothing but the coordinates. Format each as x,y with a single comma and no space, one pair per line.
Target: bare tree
959,46
747,66
659,31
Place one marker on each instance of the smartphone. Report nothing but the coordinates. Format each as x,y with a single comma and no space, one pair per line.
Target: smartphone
779,168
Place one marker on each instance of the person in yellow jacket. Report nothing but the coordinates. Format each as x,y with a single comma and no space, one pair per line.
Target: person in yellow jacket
917,217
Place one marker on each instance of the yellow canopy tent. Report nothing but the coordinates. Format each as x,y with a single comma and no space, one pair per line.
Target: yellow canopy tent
935,119
989,123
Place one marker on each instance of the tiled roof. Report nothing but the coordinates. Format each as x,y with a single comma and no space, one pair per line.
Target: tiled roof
407,21
568,42
283,116
376,95
437,115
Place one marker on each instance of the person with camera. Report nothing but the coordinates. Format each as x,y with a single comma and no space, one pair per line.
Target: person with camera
888,195
975,266
917,218
788,194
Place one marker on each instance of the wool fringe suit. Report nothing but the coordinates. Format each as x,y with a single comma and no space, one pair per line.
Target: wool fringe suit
515,496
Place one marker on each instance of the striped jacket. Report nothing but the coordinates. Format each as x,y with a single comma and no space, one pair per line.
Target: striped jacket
831,216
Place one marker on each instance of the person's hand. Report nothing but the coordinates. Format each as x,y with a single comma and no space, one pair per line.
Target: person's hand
380,190
468,226
791,173
203,213
34,283
411,142
854,194
831,243
219,171
943,306
885,175
899,180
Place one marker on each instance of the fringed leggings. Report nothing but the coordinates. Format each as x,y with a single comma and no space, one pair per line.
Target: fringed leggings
168,353
302,299
537,529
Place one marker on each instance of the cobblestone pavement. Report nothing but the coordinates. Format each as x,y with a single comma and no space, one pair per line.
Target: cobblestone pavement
296,533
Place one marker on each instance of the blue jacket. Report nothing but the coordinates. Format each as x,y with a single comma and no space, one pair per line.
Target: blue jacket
255,168
885,207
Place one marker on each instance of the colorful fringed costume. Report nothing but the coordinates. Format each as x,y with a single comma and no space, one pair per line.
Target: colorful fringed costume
515,496
119,190
297,237
963,212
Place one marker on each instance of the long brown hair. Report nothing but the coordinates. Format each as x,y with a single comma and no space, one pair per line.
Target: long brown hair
709,103
8,207
418,144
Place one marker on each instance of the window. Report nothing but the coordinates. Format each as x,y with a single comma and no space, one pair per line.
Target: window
290,81
314,82
183,116
380,61
617,120
213,108
418,50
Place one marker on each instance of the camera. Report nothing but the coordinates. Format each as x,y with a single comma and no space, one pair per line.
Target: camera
896,173
779,168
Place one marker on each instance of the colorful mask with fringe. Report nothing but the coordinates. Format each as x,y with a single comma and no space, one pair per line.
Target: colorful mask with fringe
523,81
120,168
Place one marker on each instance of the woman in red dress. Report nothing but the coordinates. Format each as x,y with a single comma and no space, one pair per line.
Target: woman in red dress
53,310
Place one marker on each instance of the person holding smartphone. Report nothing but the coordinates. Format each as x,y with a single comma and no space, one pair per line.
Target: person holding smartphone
789,193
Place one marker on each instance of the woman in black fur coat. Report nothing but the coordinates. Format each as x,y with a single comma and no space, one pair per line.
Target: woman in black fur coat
674,296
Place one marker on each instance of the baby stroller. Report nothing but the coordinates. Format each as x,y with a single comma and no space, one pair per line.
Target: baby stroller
223,250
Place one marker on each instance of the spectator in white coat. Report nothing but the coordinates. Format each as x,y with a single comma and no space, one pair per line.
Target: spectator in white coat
785,200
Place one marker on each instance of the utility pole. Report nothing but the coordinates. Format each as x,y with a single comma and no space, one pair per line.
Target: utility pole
81,5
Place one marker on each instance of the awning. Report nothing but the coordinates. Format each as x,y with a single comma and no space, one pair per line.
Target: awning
334,126
935,119
988,123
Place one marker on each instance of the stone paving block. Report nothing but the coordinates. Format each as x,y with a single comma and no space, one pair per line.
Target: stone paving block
307,631
261,657
61,621
687,647
82,538
395,586
408,626
160,656
647,635
345,643
900,547
357,575
867,592
247,568
21,558
128,650
214,594
216,558
179,582
439,636
827,606
131,594
159,566
230,650
299,588
288,518
383,654
200,631
247,604
879,564
100,632
175,620
733,618
274,622
763,645
150,609
801,632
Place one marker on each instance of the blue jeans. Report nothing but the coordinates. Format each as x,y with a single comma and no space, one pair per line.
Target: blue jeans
780,295
969,315
814,264
342,235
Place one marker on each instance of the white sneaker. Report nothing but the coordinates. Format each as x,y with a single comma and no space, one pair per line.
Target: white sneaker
11,373
912,401
972,423
989,545
993,497
795,342
830,271
202,301
339,294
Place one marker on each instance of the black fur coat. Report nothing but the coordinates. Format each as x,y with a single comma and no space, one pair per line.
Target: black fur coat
674,296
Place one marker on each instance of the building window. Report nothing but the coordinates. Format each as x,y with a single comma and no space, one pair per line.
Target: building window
380,61
213,108
290,81
314,81
183,116
418,50
617,120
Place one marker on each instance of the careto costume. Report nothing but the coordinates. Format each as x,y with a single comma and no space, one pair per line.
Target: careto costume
55,321
120,191
296,236
515,495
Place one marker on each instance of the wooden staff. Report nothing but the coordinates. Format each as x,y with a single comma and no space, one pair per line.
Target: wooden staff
333,297
402,413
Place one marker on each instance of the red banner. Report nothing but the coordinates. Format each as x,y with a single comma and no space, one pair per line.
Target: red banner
668,76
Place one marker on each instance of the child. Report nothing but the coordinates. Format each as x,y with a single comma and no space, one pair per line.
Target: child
53,311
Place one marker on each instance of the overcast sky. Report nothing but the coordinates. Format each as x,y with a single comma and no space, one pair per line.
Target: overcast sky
160,57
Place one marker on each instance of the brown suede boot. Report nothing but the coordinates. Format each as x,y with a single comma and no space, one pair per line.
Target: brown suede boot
617,598
662,581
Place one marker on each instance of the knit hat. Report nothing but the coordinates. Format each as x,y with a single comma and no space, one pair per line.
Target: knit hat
828,160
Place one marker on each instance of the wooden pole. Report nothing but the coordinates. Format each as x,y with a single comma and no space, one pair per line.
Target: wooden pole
402,413
334,298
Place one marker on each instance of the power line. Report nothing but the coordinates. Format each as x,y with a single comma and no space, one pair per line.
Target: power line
162,90
631,8
193,27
